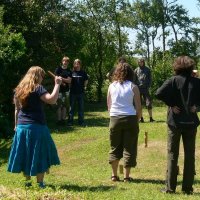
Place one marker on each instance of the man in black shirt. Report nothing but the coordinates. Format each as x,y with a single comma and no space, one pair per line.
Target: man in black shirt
78,85
63,99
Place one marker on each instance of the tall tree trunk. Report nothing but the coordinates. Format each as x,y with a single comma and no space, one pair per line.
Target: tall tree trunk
148,47
100,75
119,39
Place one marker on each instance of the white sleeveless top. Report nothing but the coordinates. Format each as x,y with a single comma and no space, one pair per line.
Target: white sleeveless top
122,98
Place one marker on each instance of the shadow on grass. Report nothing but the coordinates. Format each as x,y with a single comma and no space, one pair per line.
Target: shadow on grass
156,121
196,181
64,129
152,181
77,188
158,181
91,119
5,150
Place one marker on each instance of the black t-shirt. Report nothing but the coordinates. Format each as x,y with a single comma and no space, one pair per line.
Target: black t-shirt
64,73
33,112
77,84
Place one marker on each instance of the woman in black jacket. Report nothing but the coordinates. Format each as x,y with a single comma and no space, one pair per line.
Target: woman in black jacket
180,94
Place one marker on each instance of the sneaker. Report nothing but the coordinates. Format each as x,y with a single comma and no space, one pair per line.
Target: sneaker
151,119
82,124
41,185
189,192
164,190
28,184
142,120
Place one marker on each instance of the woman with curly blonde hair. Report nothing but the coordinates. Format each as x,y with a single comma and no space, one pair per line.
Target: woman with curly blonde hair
33,150
123,101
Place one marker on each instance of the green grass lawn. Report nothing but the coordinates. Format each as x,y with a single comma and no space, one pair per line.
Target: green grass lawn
84,172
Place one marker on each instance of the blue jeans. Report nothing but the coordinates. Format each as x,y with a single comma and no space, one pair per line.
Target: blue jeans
79,98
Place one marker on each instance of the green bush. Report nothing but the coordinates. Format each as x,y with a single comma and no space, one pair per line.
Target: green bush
6,126
161,72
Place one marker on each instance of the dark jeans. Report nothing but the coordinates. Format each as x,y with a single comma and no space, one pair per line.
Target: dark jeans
145,98
188,137
79,98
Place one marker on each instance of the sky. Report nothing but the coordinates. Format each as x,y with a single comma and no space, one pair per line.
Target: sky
190,5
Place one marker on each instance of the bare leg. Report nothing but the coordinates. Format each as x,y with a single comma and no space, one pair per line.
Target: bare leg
150,113
28,181
114,165
63,113
141,112
28,178
127,171
59,113
40,177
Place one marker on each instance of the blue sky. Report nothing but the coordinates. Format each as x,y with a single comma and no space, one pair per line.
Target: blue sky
191,6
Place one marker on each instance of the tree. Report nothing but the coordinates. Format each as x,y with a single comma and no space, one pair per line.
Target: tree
141,12
48,29
12,49
103,39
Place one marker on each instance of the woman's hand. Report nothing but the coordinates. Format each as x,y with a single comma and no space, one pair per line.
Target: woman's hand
193,109
176,109
58,80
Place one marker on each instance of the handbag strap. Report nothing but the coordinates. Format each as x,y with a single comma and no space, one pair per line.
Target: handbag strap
182,96
184,103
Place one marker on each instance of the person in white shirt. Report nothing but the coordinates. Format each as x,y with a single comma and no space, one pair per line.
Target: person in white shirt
124,106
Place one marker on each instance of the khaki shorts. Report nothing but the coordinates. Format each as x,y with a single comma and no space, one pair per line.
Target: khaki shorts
63,100
124,139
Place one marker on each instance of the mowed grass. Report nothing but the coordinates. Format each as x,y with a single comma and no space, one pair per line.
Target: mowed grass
84,172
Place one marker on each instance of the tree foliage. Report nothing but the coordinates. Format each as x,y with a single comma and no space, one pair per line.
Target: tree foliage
12,48
41,32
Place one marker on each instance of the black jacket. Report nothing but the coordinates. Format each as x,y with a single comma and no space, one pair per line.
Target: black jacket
171,91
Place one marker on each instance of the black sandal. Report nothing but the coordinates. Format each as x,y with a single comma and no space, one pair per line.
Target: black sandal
128,179
115,178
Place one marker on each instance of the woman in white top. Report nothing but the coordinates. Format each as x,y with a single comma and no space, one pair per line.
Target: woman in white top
124,106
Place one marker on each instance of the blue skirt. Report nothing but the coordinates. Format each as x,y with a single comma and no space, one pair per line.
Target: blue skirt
33,150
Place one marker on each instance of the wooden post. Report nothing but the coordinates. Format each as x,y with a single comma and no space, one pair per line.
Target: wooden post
146,139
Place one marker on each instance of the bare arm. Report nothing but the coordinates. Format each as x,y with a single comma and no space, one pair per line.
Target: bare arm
85,84
17,108
52,98
67,80
109,100
137,101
